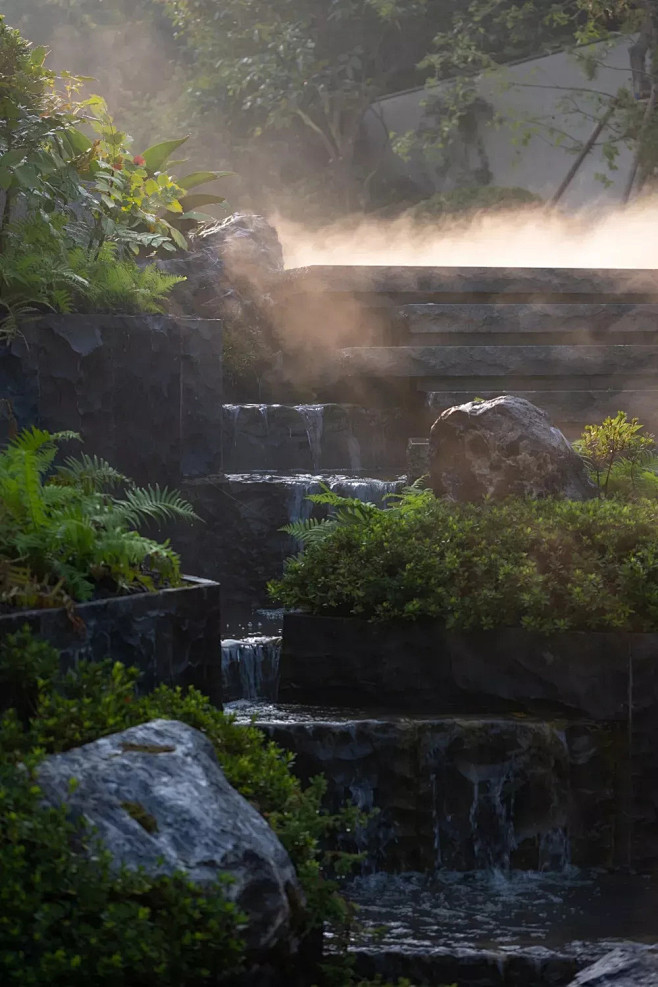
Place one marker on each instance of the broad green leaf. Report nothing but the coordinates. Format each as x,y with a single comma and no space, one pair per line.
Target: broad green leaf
175,206
178,238
12,157
26,175
191,202
199,217
201,177
78,141
38,55
6,178
158,155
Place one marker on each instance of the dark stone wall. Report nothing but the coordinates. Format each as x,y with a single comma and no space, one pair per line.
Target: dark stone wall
172,636
421,667
467,793
143,391
604,686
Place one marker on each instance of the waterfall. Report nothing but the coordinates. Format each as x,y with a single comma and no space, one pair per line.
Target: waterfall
232,413
492,822
354,452
368,490
250,667
313,415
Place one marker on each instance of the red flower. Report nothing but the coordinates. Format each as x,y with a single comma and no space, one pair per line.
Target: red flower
117,164
139,160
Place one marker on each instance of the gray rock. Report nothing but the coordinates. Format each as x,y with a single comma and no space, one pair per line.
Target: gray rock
225,262
500,448
621,968
195,821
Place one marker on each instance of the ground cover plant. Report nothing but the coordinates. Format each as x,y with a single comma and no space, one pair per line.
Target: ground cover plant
547,565
67,919
69,532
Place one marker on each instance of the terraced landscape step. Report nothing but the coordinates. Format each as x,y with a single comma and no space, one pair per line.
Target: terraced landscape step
541,283
501,317
499,361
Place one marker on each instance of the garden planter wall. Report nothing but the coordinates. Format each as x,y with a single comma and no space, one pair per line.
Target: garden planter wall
420,667
172,636
143,391
596,692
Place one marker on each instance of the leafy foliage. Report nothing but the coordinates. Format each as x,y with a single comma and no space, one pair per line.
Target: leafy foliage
305,72
62,536
58,712
39,273
78,203
546,565
619,459
344,510
67,919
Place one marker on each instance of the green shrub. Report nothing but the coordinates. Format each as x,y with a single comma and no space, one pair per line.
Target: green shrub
63,535
67,919
470,199
548,565
620,457
95,700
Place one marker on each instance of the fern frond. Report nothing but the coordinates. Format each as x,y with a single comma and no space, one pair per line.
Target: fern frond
310,530
92,472
154,503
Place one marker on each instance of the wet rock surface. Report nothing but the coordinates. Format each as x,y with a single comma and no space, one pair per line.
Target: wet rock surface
172,636
241,544
197,823
500,448
89,373
312,437
462,793
629,967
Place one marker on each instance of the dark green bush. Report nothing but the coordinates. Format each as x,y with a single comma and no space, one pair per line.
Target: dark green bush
68,920
548,565
141,932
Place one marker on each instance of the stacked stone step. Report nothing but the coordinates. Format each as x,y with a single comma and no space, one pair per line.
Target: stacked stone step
581,344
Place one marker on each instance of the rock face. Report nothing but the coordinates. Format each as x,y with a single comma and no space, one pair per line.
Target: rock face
243,248
461,793
192,820
500,448
621,968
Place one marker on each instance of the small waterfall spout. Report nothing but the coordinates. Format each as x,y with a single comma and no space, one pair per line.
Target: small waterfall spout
313,415
250,667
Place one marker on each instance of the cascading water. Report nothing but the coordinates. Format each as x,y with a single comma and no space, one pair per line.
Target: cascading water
250,667
313,415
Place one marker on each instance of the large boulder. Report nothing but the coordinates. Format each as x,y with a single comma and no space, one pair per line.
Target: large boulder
159,800
623,967
226,264
500,448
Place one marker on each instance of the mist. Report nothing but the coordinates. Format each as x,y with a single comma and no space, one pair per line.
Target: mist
603,237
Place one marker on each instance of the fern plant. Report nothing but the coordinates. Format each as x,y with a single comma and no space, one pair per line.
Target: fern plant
41,271
344,510
64,536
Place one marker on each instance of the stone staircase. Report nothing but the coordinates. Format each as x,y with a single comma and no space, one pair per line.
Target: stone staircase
580,344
